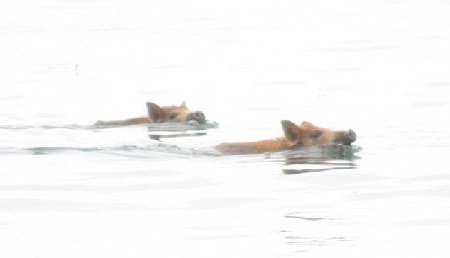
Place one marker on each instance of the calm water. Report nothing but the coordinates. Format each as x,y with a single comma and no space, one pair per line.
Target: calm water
378,67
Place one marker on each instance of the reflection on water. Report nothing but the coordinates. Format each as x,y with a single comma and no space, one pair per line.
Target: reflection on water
319,159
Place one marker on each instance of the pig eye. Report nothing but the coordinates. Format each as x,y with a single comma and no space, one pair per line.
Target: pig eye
315,134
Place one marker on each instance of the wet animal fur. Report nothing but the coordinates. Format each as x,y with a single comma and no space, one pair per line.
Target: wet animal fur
157,114
295,136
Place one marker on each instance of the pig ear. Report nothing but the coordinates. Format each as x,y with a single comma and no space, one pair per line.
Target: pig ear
155,112
291,131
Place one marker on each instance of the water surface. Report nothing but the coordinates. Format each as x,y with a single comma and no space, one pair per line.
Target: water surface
380,68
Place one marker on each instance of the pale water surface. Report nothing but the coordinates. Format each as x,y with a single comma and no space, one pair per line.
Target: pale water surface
378,67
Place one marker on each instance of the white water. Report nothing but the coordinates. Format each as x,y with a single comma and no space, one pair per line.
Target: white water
378,67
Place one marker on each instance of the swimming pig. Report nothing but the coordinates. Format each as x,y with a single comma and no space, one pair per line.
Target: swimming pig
157,114
295,136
